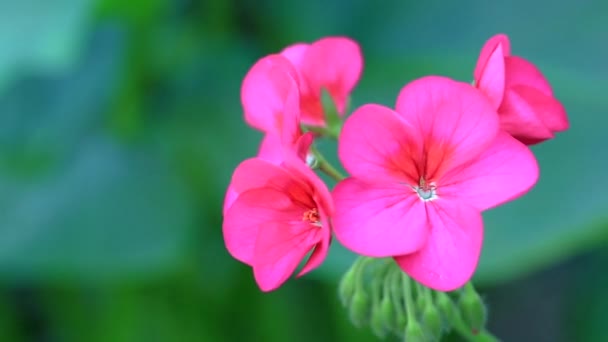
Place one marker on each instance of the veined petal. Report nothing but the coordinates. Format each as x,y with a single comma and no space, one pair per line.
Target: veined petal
449,257
505,171
456,120
250,211
377,145
315,186
379,220
334,64
279,250
488,48
268,87
492,79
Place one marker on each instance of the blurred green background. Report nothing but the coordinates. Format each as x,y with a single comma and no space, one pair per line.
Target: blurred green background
120,125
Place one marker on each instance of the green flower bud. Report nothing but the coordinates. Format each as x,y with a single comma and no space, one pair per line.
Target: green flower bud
447,308
388,313
473,310
346,288
414,332
360,308
377,323
401,321
421,302
431,322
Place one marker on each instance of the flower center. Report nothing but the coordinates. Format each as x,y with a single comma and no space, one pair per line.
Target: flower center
312,216
426,191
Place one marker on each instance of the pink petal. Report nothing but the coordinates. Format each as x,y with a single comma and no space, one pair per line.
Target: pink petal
295,53
252,210
492,80
334,64
257,173
449,257
521,72
271,149
487,50
229,198
520,114
269,86
379,220
505,171
550,111
377,145
279,250
456,120
319,191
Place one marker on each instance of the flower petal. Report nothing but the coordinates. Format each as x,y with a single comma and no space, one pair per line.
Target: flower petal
548,109
279,250
505,171
269,86
521,72
521,110
449,257
492,80
252,210
295,53
257,173
456,120
230,197
377,145
488,48
334,64
271,149
317,188
379,220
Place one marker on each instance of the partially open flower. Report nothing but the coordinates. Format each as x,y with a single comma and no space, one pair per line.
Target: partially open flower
520,93
333,64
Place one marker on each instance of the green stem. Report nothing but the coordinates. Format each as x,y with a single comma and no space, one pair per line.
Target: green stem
326,167
322,131
394,279
407,295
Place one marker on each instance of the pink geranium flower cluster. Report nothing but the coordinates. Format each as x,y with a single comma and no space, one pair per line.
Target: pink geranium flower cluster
420,174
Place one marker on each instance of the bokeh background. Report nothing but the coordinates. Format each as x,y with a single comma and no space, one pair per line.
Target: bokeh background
120,125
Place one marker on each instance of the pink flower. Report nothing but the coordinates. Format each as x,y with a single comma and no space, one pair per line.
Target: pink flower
421,175
271,100
280,215
331,63
524,99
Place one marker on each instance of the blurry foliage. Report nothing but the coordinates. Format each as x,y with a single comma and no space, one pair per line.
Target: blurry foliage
120,125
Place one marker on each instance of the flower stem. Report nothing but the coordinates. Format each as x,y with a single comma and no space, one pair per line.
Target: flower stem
407,295
326,166
323,131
